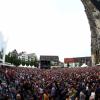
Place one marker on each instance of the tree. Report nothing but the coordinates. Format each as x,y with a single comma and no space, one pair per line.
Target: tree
7,58
23,62
27,63
36,63
12,58
17,62
31,63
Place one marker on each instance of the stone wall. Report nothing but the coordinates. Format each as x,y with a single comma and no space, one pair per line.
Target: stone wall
93,15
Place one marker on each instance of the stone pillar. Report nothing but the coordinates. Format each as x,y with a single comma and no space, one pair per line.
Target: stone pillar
93,15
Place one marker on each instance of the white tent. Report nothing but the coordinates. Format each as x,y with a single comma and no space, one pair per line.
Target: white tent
29,66
98,64
20,65
84,65
24,66
33,66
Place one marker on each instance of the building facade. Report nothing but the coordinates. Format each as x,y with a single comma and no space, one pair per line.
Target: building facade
27,57
77,62
48,61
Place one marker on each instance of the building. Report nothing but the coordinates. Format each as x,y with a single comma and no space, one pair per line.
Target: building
76,62
32,57
23,56
27,57
48,61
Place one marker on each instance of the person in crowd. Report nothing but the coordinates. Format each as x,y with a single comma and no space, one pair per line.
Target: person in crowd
50,84
68,97
97,92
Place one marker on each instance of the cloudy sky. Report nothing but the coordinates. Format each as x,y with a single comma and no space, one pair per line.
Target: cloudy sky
46,27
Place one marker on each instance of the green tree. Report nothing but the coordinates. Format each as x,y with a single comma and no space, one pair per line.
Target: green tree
7,58
12,58
27,63
23,62
36,63
17,62
31,63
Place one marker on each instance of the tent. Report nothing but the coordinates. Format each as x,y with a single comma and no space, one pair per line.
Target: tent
84,65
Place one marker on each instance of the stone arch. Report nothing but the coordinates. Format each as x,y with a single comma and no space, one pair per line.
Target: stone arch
92,10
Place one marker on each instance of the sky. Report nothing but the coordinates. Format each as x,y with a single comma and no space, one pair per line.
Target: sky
46,27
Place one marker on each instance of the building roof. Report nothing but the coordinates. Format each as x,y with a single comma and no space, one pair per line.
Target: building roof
76,59
32,54
21,53
49,58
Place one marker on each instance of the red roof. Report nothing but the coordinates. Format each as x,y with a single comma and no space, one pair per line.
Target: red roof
70,60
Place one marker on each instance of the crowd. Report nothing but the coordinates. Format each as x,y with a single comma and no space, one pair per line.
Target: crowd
50,84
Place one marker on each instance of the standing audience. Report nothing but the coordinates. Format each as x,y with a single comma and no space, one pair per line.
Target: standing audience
50,84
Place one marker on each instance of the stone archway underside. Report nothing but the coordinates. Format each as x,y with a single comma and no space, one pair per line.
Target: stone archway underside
93,15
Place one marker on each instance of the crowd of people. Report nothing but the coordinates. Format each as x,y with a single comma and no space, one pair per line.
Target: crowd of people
50,84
